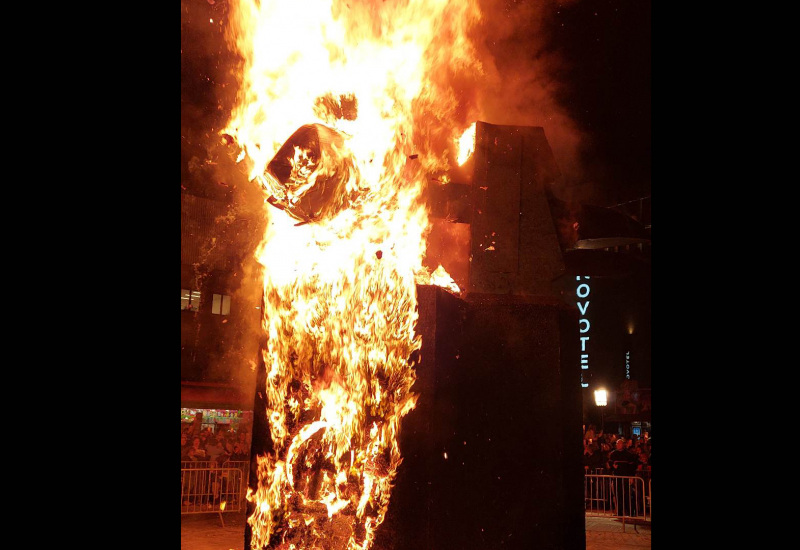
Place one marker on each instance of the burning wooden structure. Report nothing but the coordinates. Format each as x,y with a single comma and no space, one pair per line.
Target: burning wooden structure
491,453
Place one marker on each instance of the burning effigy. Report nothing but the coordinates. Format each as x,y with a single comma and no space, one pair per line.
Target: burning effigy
341,118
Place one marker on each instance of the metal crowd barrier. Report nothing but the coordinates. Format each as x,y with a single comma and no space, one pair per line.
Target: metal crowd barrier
624,497
208,488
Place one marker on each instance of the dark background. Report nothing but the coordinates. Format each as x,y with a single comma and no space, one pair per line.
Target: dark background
608,44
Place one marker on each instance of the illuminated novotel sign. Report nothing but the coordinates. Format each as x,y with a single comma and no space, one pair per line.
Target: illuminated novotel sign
584,325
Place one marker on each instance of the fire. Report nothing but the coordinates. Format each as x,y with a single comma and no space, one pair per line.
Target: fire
466,144
342,115
441,278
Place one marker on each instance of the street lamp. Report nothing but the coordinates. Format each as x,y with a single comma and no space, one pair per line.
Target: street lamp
601,400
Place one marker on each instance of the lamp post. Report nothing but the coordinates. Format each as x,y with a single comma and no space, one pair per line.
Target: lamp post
601,400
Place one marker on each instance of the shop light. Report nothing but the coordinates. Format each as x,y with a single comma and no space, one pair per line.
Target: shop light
601,397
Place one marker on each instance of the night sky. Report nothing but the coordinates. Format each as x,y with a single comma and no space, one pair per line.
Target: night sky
607,43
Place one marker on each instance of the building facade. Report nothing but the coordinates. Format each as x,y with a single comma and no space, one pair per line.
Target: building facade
220,310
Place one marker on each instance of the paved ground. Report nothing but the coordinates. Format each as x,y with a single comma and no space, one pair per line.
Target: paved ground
608,534
206,532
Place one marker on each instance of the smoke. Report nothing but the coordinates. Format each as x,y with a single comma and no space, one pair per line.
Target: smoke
525,80
209,170
208,89
521,78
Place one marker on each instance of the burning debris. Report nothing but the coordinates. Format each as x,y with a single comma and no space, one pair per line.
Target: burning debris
329,506
313,175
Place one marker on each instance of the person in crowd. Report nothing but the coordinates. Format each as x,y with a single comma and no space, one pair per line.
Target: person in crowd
191,481
214,448
185,446
240,457
593,459
197,452
218,477
239,453
243,440
228,444
622,463
605,450
643,458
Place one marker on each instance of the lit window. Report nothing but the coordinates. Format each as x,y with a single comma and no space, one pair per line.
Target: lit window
190,299
221,304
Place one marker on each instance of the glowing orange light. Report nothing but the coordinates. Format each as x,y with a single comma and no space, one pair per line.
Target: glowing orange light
344,246
466,145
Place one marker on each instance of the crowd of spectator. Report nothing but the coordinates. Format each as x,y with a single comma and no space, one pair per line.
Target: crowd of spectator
208,457
599,447
207,446
610,454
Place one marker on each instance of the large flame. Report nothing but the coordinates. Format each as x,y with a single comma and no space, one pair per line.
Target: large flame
340,301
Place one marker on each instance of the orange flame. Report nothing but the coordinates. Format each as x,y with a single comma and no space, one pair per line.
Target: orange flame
440,277
466,144
340,301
